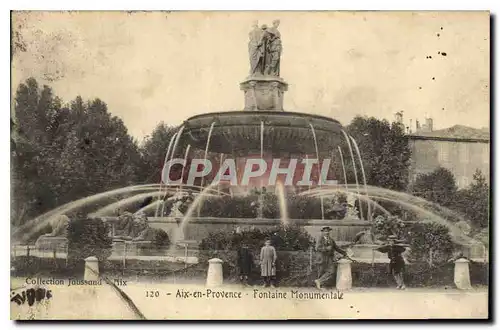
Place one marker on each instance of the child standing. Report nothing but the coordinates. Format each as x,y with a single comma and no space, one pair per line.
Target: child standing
394,250
268,263
245,263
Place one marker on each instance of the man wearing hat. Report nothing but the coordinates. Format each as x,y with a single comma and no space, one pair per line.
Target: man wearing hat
327,247
394,249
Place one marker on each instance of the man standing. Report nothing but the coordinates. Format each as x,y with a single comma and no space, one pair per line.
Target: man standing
327,247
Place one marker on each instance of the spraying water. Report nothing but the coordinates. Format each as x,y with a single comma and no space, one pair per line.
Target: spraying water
320,181
283,205
170,143
124,202
428,211
220,165
25,231
353,165
182,178
206,148
331,191
187,188
343,167
205,157
189,214
261,196
363,173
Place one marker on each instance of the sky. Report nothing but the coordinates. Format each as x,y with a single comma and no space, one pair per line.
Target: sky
167,66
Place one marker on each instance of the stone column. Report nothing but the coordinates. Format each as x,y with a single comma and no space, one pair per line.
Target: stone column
91,269
344,276
462,276
214,274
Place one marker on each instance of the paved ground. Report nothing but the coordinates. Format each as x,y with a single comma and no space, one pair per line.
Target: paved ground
177,301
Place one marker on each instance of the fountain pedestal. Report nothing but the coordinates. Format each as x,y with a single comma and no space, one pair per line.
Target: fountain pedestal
91,269
214,274
344,276
264,92
462,276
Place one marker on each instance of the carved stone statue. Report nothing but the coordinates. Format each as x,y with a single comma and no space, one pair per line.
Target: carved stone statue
274,49
352,211
264,48
133,227
175,211
142,230
256,49
58,237
59,226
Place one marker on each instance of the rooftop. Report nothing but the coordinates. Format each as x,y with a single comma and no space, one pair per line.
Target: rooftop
457,132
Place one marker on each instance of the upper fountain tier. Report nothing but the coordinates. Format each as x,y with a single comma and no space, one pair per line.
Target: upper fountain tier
242,132
263,126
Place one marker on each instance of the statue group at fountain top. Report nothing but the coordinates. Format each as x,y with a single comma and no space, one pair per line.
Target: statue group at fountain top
264,48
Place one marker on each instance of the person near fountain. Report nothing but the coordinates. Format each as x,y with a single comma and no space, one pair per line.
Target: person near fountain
327,248
395,250
268,259
245,263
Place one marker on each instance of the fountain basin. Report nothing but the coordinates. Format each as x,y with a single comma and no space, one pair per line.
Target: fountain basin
51,243
239,132
199,228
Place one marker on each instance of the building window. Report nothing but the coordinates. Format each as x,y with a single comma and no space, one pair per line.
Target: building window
444,152
464,153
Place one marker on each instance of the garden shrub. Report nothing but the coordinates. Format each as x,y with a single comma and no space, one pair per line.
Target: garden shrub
88,237
430,242
389,225
161,238
303,207
290,238
230,207
287,240
247,207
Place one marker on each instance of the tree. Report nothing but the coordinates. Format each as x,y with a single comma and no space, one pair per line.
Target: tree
437,186
63,153
384,150
474,202
34,111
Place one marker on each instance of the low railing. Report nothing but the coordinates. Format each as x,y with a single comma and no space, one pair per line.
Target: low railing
256,221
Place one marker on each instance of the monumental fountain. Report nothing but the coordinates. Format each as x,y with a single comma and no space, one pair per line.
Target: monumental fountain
262,129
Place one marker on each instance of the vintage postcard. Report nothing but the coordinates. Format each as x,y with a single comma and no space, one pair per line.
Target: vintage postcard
250,165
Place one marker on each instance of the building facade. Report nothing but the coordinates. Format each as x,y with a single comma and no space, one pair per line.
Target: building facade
460,149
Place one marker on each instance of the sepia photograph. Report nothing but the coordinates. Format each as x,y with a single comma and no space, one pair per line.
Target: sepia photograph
250,165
